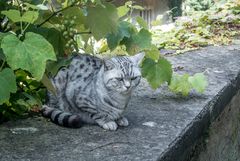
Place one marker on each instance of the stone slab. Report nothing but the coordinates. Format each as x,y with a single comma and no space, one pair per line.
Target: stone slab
162,124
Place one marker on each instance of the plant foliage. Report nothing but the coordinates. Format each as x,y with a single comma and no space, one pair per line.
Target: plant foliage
184,83
37,37
216,26
199,5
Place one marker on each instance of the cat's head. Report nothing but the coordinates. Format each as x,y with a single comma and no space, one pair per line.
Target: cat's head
122,73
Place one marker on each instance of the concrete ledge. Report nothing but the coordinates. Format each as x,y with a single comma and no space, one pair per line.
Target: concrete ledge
182,148
163,126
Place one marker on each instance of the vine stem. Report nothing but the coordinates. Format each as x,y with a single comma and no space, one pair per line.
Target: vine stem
53,14
21,24
87,32
2,65
25,28
44,1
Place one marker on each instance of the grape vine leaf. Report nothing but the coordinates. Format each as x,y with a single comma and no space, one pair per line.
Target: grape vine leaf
12,14
41,7
30,16
54,66
124,30
153,53
142,22
157,72
123,10
75,11
137,7
53,36
102,20
198,82
8,81
48,84
2,56
30,54
180,84
15,16
2,36
138,41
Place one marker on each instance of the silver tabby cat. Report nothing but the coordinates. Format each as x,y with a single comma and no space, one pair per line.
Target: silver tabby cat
93,90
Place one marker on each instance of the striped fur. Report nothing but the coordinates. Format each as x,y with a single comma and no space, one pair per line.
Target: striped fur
95,91
62,118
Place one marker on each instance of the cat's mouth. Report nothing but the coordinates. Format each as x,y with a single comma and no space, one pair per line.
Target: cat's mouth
127,91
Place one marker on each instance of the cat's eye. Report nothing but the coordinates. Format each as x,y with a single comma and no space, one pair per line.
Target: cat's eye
119,79
134,78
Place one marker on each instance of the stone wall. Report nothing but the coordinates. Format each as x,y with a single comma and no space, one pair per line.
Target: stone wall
223,142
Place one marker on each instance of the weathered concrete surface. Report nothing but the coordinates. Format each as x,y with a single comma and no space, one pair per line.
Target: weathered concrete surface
223,141
162,125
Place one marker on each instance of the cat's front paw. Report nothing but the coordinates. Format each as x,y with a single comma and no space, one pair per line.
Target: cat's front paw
122,121
110,126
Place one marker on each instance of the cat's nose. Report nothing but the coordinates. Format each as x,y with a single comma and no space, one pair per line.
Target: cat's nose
127,84
127,87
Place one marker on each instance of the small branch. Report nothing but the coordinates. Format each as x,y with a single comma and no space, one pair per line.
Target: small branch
53,14
110,1
2,65
25,28
21,13
86,32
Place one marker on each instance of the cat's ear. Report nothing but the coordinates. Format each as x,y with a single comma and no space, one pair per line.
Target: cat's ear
108,65
137,59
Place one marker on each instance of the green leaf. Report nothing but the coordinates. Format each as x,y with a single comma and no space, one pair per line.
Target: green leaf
123,10
142,22
124,30
180,84
30,54
42,7
75,12
28,6
22,102
53,36
102,20
31,99
137,7
157,72
8,84
30,16
14,15
2,56
2,36
143,39
158,21
198,82
99,2
21,76
48,84
129,3
54,66
153,53
139,41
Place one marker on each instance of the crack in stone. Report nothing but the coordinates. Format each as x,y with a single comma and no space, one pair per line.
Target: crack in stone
108,144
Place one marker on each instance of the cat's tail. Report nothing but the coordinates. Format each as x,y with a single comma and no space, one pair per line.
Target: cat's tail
62,118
